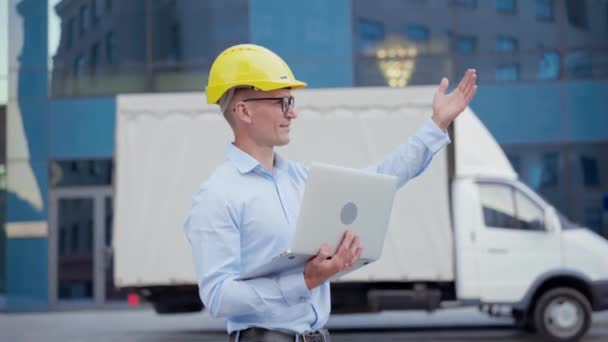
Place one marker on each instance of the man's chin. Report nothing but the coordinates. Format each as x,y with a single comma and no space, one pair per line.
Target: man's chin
283,142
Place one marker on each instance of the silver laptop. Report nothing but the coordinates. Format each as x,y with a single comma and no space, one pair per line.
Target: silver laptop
337,198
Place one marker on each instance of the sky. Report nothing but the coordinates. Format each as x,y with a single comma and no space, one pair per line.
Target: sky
54,31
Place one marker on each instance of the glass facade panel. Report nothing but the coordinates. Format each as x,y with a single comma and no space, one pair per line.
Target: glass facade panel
107,47
544,10
506,44
397,43
568,176
506,6
75,271
424,41
507,72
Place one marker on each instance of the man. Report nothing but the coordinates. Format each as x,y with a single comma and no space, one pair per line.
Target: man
245,213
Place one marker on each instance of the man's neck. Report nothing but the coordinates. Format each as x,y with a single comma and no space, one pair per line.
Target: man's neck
263,154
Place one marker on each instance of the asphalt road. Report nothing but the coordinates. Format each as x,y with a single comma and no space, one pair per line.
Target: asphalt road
453,325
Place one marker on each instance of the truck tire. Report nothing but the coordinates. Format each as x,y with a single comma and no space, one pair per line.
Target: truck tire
562,314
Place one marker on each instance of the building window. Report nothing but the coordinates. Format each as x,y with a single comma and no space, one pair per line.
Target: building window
593,219
543,10
591,176
108,5
83,19
506,6
549,169
506,44
577,13
110,48
463,44
369,34
94,58
69,32
175,53
95,11
79,65
464,3
578,64
417,33
549,66
509,72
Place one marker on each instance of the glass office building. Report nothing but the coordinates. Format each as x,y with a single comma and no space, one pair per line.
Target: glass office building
543,93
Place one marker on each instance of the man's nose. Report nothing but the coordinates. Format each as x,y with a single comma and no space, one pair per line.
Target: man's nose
291,114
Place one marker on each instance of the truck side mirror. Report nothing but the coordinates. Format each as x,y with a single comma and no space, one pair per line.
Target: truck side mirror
552,223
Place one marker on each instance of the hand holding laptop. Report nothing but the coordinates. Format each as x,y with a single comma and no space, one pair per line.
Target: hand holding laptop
323,266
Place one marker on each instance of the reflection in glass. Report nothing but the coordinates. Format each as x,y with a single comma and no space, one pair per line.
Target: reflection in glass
75,270
108,47
506,44
550,169
593,219
577,13
590,172
549,66
578,64
505,6
543,9
507,72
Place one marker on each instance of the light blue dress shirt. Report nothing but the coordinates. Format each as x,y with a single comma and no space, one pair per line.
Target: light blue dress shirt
243,216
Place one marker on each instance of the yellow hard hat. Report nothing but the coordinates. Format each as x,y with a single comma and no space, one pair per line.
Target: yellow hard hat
249,65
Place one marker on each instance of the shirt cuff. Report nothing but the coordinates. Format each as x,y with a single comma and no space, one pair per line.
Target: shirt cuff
294,289
432,136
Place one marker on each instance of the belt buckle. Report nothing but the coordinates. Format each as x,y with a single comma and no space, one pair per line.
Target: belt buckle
316,336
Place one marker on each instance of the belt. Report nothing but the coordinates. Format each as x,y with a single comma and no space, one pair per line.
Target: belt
265,335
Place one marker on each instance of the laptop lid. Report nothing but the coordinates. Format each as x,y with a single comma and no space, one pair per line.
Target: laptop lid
338,198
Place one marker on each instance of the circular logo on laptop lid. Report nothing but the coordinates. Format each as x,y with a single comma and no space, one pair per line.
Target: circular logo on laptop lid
348,214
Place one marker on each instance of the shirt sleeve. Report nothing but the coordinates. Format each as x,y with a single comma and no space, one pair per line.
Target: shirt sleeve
411,158
212,230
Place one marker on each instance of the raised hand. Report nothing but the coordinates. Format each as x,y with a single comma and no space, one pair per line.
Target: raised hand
446,107
322,267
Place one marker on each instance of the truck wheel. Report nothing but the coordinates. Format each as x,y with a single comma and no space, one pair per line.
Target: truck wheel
562,314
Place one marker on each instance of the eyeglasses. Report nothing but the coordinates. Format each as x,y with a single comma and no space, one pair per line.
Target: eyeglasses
287,102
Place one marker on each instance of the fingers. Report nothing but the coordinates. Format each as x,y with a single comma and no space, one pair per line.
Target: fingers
347,240
443,85
323,253
355,244
470,84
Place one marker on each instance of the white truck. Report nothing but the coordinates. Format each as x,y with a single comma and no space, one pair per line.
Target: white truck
465,232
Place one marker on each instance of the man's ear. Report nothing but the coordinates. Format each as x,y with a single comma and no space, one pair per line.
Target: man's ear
241,112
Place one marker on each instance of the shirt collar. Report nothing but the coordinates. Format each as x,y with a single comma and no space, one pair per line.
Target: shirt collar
246,163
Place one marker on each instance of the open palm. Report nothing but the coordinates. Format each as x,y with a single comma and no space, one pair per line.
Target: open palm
446,107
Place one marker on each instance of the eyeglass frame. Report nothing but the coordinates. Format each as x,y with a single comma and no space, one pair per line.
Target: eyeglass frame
287,102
